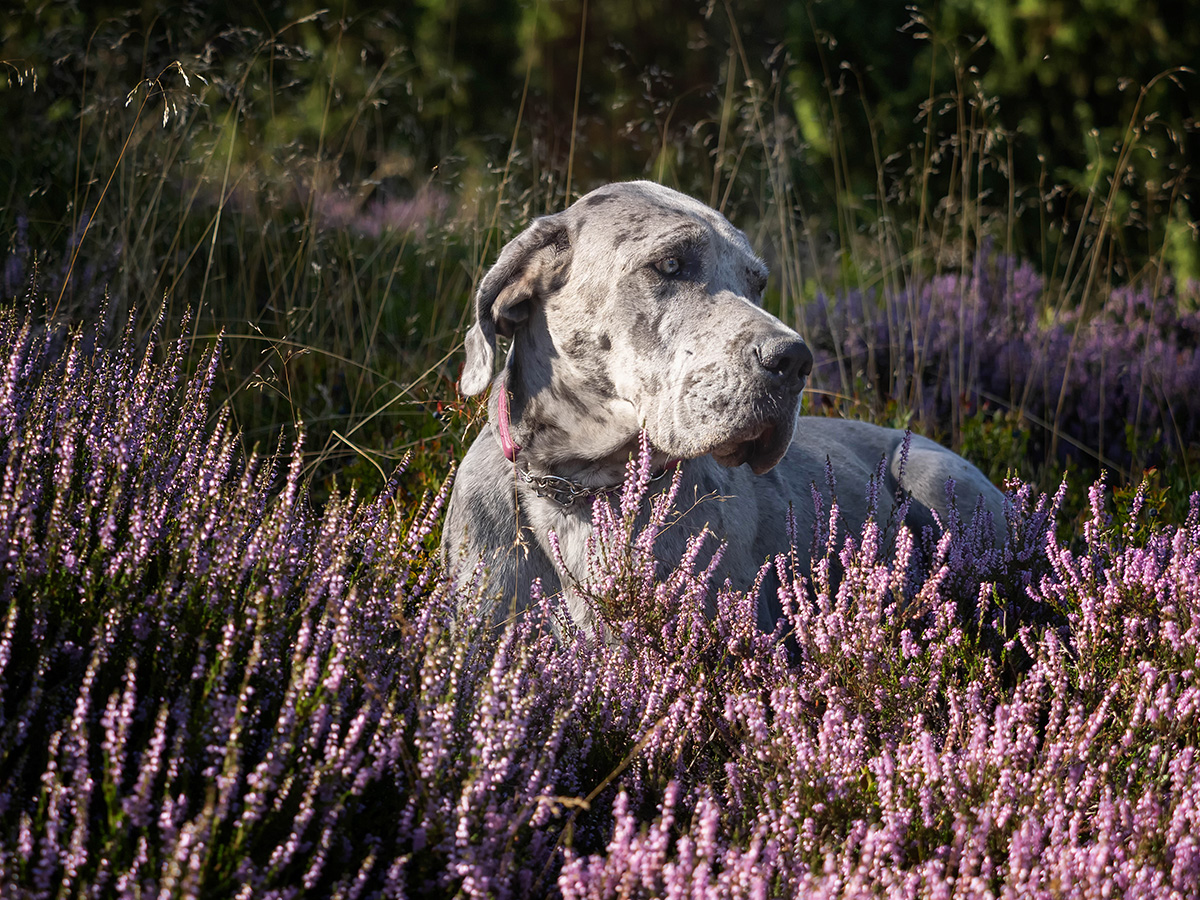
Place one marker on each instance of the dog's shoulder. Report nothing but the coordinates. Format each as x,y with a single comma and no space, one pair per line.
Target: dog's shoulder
482,487
483,525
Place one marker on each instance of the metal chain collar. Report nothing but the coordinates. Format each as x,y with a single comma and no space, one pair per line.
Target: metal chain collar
566,492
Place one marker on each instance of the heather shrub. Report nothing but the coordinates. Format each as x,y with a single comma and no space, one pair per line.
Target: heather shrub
182,638
210,688
221,674
1112,384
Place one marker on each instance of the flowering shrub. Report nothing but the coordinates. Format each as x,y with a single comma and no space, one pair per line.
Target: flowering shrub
983,337
208,688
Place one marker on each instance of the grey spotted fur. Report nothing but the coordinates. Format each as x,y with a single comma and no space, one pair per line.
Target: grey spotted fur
638,307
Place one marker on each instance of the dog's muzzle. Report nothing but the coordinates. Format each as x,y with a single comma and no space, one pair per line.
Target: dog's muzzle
783,360
780,365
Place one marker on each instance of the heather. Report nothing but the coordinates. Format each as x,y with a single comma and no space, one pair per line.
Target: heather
1116,378
239,247
212,688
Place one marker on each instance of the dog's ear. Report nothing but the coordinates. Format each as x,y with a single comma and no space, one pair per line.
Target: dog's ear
531,264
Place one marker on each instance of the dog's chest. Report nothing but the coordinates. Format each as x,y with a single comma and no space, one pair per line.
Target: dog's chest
571,527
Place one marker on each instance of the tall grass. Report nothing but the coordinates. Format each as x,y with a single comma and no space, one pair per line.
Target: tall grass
335,282
252,180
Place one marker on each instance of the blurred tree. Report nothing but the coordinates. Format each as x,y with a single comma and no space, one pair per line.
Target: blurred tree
427,83
1059,83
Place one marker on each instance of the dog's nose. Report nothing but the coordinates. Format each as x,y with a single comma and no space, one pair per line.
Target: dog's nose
787,359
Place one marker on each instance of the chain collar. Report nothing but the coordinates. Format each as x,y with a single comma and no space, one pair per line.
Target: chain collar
567,493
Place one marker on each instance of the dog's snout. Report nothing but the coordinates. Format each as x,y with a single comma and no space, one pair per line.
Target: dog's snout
787,359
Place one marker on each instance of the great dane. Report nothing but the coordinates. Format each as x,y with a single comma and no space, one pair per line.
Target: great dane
637,308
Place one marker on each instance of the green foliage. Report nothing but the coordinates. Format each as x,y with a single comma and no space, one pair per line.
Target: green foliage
326,186
999,442
1058,115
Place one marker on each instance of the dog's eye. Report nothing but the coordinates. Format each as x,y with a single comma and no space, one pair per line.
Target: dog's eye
669,266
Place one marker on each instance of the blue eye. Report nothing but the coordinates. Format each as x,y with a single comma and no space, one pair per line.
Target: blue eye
670,266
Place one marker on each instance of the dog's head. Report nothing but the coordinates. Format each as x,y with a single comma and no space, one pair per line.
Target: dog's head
636,308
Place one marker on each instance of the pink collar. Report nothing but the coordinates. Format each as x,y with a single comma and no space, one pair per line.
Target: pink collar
507,444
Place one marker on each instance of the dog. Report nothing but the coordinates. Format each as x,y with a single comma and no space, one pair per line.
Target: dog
637,309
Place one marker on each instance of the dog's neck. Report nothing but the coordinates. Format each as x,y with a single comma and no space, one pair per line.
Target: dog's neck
566,480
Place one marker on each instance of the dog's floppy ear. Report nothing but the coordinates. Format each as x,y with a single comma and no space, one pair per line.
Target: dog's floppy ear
528,266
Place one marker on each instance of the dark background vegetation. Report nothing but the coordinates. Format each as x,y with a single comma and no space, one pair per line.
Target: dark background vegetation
326,184
445,81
